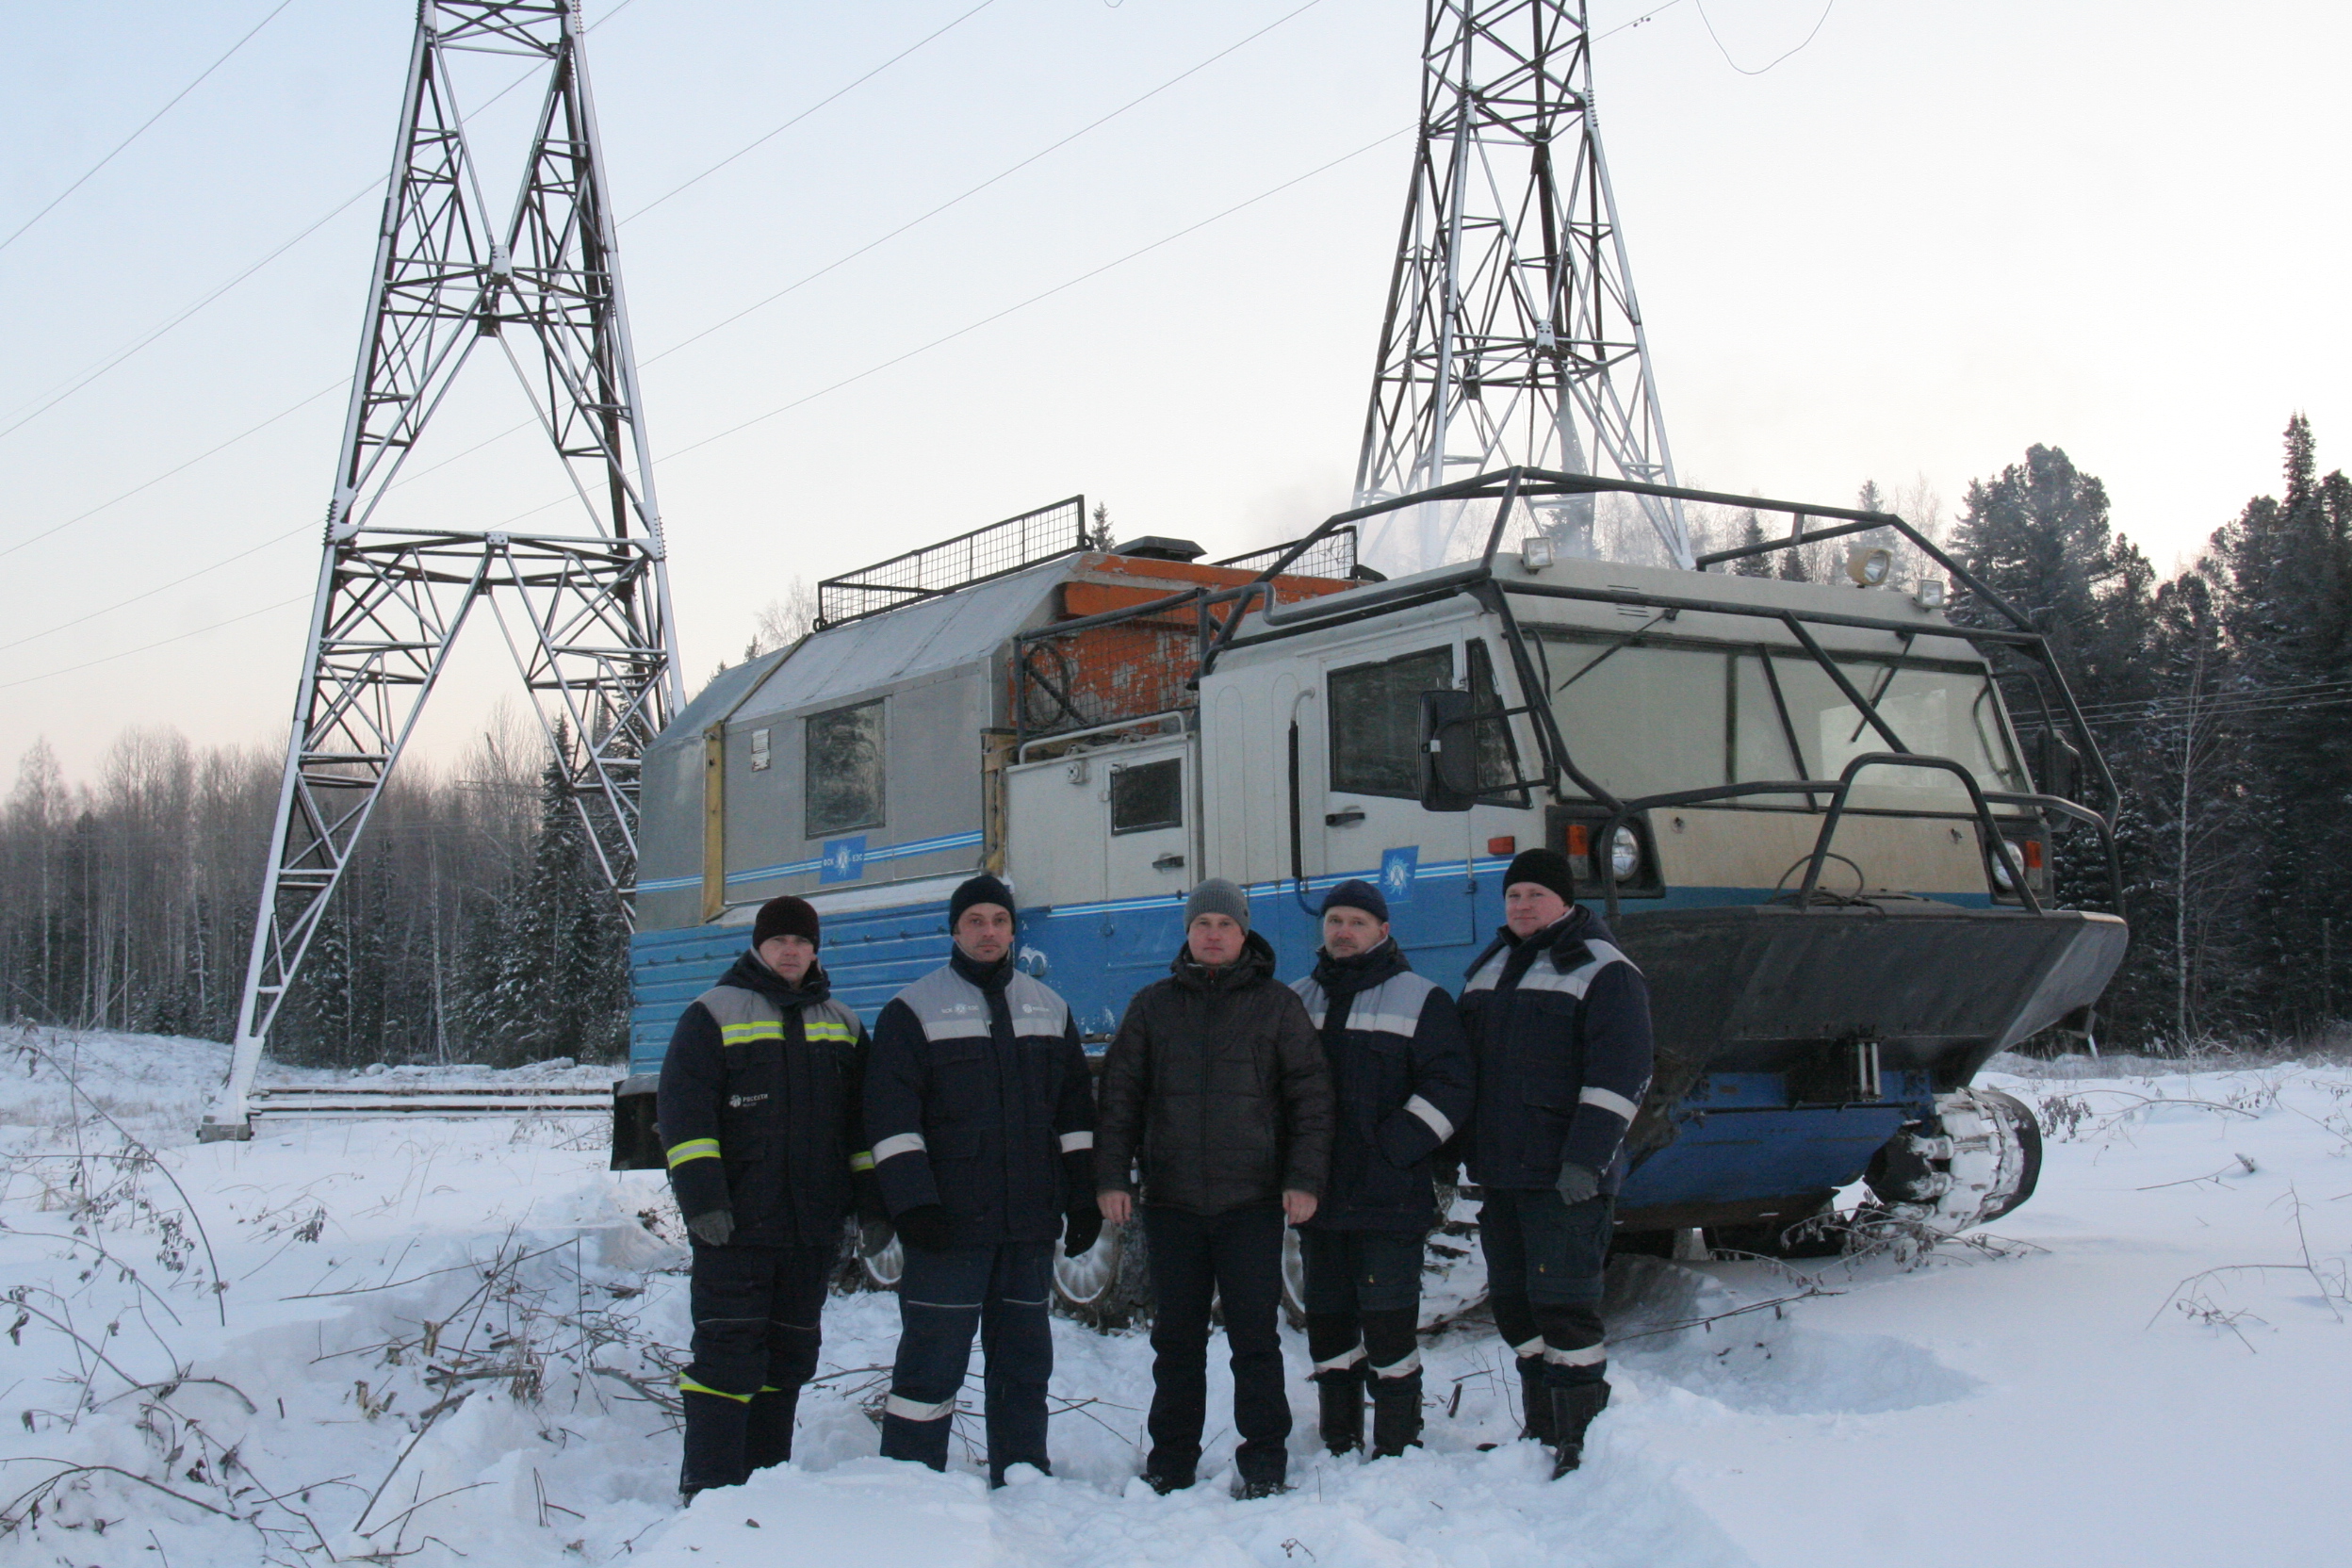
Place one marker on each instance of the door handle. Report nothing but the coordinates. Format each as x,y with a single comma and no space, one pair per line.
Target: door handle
1169,862
1345,817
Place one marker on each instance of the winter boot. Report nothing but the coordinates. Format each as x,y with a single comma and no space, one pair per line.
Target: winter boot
1341,1392
768,1433
1535,1397
716,1428
1396,1414
1573,1410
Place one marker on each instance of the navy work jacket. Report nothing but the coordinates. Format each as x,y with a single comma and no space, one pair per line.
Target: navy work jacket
978,1099
759,1103
1400,1070
1560,1034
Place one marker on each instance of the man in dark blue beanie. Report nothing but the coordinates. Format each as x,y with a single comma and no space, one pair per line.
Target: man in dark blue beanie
1400,1072
981,1112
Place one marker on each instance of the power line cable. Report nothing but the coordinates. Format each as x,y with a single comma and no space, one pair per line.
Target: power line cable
1776,59
46,404
149,484
847,257
1000,314
144,126
813,108
996,178
302,597
50,401
705,332
118,604
876,243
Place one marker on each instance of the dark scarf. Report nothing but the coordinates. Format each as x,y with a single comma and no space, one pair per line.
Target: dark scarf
1342,979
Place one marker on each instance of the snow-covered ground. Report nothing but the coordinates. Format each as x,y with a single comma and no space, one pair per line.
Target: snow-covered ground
446,1341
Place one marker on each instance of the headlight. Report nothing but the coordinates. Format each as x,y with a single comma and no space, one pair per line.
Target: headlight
2002,879
1625,854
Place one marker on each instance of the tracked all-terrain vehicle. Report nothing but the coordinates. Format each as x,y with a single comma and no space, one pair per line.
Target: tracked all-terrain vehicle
1805,808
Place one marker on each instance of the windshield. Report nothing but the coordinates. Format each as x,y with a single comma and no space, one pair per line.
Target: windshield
1651,719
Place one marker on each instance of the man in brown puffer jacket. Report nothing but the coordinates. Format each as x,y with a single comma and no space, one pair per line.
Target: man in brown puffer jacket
1218,1079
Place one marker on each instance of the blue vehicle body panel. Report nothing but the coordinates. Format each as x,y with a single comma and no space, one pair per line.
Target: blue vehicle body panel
1736,1136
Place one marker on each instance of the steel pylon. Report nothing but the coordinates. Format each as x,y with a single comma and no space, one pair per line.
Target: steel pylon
583,607
1513,335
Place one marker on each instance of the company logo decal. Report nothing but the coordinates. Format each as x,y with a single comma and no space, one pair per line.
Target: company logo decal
1397,869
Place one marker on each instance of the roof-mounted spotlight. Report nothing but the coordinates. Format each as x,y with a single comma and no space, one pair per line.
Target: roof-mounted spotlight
1928,593
1535,552
1869,564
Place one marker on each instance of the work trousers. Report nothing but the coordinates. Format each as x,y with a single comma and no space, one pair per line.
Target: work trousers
756,1312
942,1298
1236,1255
1543,1266
1362,1299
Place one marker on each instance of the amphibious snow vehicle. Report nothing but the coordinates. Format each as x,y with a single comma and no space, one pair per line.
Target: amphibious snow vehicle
1805,808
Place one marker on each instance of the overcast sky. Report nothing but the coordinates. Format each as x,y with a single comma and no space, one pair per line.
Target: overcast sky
1934,235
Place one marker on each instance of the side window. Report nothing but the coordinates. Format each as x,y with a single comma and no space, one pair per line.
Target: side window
1147,795
1376,722
845,769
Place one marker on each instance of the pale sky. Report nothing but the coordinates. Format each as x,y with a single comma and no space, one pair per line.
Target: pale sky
1934,235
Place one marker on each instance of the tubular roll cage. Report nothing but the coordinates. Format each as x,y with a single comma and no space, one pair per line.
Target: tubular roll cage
1217,632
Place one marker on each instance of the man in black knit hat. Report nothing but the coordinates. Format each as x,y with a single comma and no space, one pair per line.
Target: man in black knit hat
759,1111
1401,1075
981,1115
1559,1021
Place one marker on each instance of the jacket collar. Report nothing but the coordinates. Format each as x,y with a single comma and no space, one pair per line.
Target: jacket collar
1346,977
1255,964
749,974
988,977
1572,930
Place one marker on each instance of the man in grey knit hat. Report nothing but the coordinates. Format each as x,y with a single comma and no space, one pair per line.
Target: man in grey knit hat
1216,1081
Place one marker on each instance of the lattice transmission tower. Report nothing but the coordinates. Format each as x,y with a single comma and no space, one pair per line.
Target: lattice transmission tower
1512,335
583,606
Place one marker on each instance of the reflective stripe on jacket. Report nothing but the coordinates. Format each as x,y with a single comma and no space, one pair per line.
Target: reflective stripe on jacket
979,1098
1560,1034
1400,1071
757,1105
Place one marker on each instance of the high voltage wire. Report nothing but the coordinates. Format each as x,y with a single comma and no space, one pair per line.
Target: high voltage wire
760,304
998,316
797,402
144,126
160,642
760,140
49,402
847,257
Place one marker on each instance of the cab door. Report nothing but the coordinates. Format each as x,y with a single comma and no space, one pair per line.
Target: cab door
1151,816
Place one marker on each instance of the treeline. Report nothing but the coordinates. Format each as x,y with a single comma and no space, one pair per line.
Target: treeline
2219,698
469,928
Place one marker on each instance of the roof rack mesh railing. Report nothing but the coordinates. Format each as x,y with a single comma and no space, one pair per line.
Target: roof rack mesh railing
986,552
1332,556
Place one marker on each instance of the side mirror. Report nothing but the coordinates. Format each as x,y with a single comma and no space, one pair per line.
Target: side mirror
2057,766
1449,752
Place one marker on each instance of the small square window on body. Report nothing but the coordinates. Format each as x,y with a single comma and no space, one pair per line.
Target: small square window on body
1147,795
843,775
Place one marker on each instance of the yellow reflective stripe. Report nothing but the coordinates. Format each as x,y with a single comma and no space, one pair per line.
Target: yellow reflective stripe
862,1160
744,1033
688,1385
840,1032
694,1148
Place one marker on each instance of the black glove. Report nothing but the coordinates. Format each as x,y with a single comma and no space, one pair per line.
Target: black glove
873,1237
1081,1229
1577,1184
712,1226
928,1227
